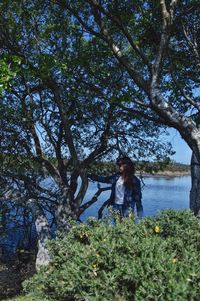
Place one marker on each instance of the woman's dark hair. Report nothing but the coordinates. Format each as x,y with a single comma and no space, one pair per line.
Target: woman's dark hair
127,161
128,172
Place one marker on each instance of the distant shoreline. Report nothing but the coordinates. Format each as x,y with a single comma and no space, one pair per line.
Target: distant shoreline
167,174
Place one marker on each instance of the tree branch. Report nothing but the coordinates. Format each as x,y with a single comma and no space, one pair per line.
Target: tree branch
93,199
104,35
124,30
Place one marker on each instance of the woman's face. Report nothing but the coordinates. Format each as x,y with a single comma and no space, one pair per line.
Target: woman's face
121,168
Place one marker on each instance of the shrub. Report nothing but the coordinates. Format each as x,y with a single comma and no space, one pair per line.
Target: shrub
157,259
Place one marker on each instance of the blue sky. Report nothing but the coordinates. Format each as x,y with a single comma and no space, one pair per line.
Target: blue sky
183,152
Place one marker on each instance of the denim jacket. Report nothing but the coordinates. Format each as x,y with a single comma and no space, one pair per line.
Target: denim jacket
130,197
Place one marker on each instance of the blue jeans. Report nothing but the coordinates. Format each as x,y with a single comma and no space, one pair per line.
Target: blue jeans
118,208
130,208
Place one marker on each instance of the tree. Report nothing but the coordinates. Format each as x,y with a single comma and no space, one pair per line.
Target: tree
59,115
156,43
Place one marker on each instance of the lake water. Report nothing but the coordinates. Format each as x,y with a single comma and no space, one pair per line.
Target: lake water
159,193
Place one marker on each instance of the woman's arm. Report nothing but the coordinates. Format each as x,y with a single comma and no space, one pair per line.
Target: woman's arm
102,179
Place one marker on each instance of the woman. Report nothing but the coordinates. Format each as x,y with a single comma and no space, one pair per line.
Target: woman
126,188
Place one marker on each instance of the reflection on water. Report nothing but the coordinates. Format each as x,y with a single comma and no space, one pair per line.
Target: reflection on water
159,193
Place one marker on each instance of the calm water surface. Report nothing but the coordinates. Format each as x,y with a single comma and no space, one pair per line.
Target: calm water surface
159,193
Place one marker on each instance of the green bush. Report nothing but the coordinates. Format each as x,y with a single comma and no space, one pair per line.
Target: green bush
157,259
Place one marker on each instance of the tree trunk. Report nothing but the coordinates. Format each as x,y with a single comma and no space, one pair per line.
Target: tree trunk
43,231
195,189
63,214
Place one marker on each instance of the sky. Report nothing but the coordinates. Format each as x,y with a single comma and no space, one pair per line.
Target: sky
183,152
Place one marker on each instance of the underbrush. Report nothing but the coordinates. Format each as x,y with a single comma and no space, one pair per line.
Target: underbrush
157,259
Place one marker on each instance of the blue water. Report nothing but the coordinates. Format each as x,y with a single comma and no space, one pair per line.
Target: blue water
159,193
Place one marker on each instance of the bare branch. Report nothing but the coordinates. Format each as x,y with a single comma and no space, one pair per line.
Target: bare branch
100,211
93,199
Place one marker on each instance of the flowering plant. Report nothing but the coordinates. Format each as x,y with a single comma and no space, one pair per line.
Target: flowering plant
157,259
